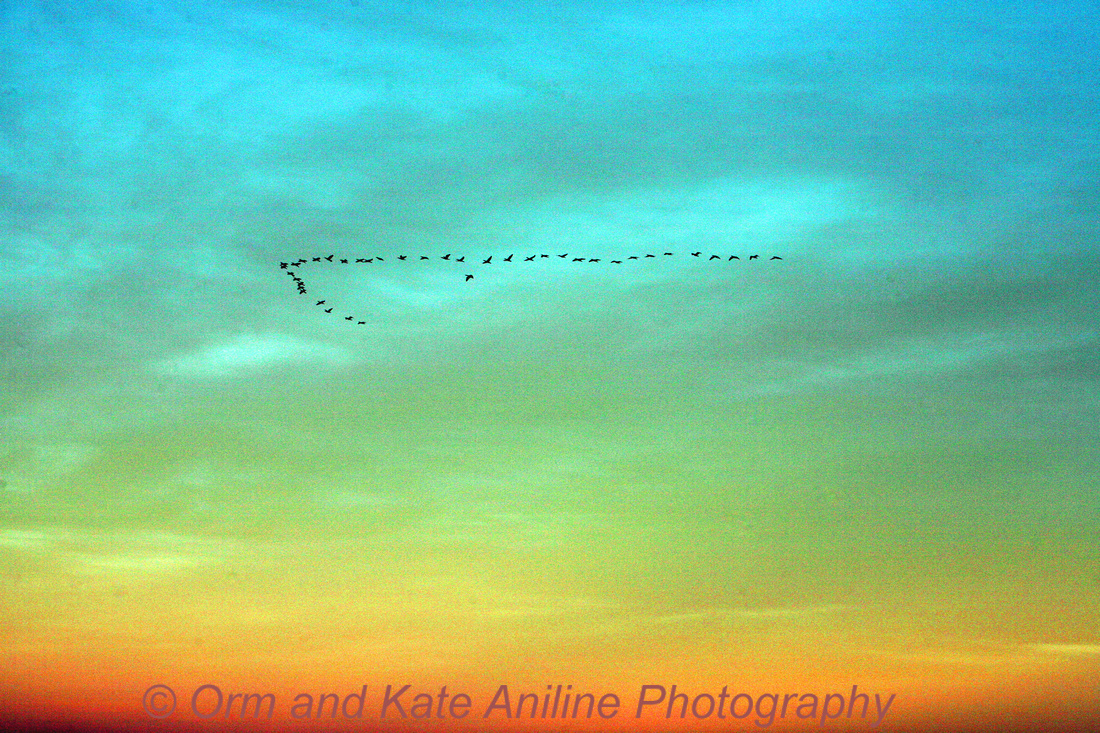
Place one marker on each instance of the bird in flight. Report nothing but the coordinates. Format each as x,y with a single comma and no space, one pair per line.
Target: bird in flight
291,267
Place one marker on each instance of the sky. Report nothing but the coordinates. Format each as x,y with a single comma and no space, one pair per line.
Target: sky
844,434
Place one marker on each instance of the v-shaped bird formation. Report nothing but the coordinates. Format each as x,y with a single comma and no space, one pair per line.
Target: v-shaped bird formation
295,268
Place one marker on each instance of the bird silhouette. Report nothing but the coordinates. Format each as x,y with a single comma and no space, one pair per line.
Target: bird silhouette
291,266
348,318
361,322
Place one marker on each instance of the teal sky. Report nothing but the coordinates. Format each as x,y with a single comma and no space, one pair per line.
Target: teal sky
887,439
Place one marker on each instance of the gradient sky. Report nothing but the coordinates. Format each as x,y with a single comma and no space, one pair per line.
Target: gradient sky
872,462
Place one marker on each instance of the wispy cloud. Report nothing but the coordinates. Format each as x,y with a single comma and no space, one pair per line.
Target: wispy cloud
249,354
118,552
1067,650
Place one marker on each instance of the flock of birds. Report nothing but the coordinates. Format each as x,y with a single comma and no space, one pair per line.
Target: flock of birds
292,268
